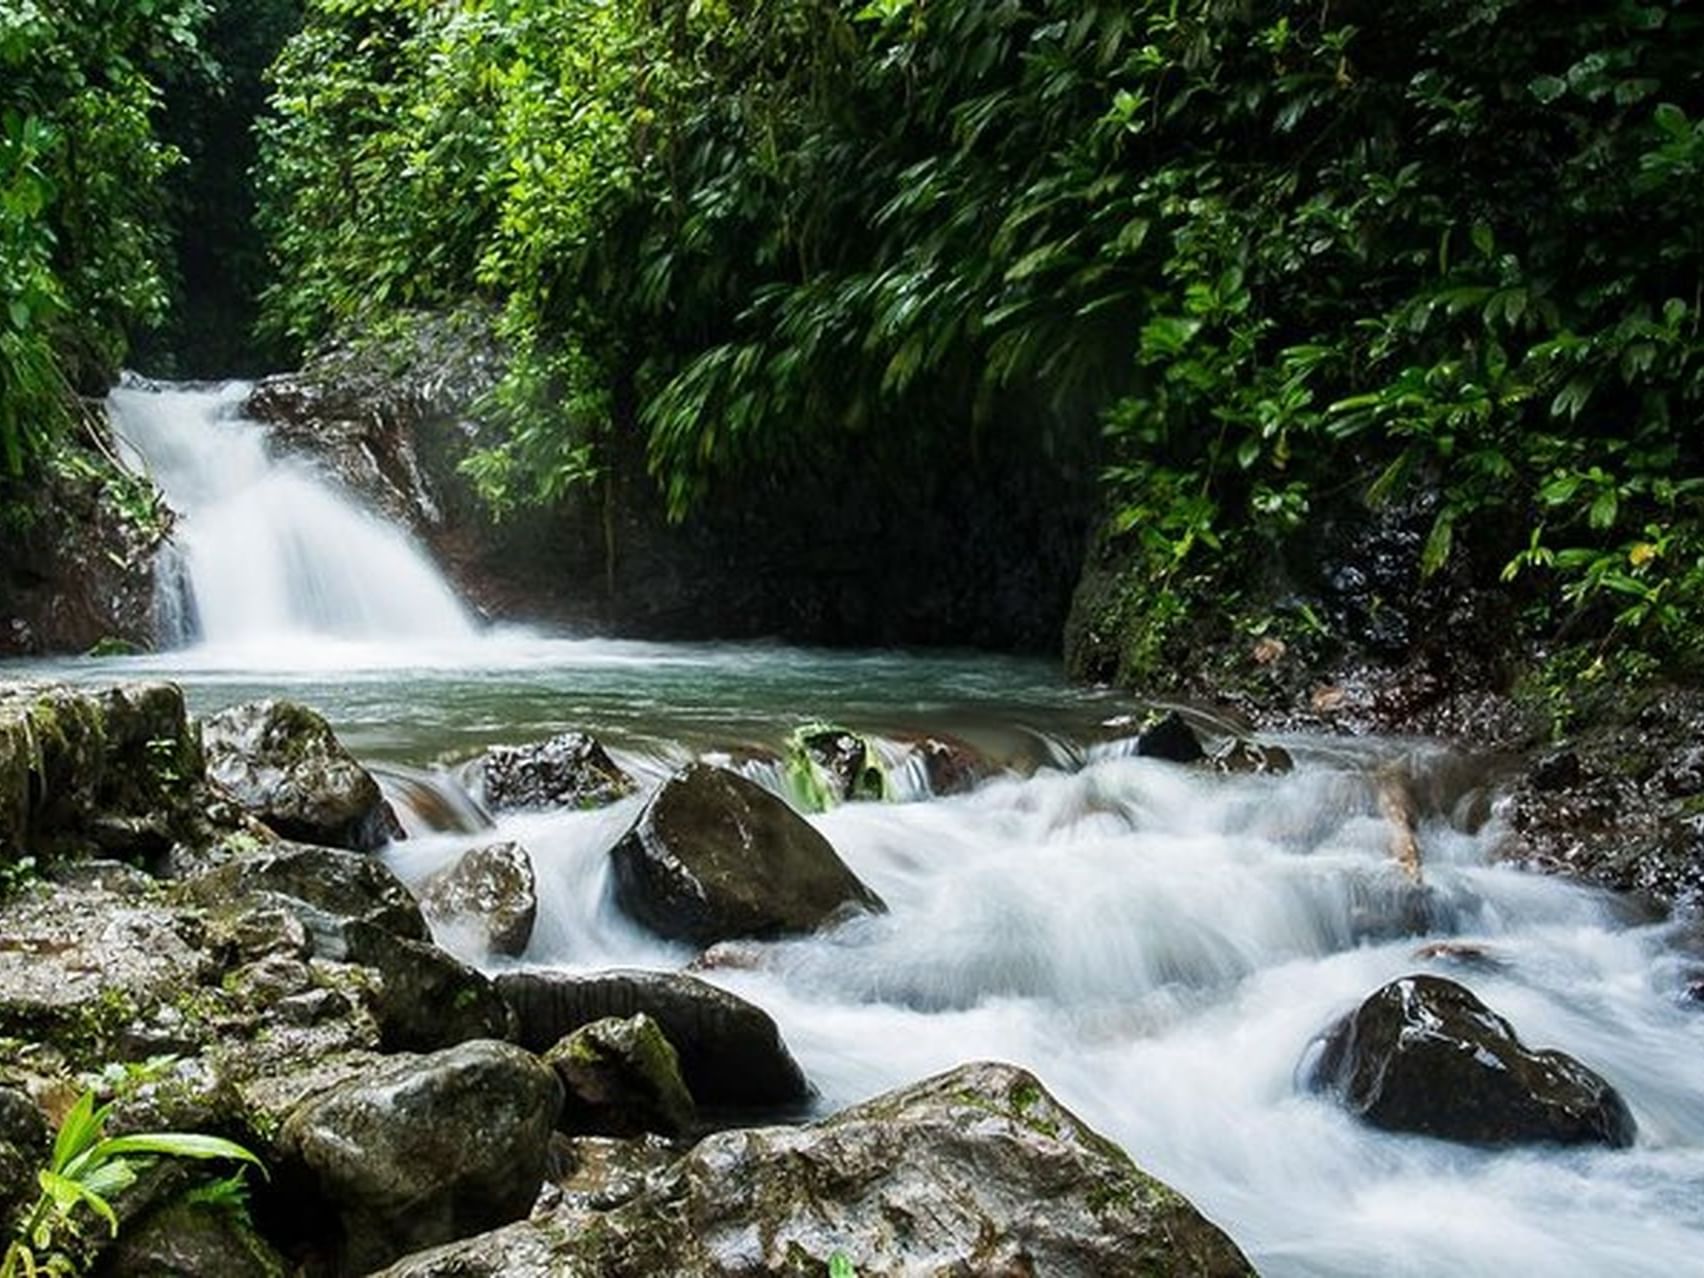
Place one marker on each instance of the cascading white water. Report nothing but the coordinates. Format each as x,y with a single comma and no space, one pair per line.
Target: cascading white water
1161,947
267,549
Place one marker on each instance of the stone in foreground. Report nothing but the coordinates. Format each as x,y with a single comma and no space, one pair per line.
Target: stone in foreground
714,856
1424,1055
425,1149
977,1171
283,764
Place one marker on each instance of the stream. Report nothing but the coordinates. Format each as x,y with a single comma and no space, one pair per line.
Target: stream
1159,944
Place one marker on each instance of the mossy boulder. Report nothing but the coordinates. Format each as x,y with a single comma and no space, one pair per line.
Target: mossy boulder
976,1171
571,770
1424,1055
826,764
714,856
488,900
621,1077
423,1150
730,1051
191,1238
282,763
116,770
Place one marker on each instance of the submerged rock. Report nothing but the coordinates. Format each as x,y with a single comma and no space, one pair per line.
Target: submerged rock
977,1171
568,771
621,1078
283,764
731,1053
424,1150
1424,1055
489,894
714,856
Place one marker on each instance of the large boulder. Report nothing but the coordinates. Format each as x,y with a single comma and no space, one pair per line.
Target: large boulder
325,887
489,897
282,763
570,770
424,1150
621,1078
117,770
731,1053
977,1171
714,856
1424,1055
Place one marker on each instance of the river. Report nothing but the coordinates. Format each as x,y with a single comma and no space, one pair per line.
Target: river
1160,945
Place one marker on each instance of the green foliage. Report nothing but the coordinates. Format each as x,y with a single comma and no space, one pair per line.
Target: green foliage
1273,260
80,168
85,1171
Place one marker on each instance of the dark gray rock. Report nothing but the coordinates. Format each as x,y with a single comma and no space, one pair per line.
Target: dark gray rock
191,1240
714,856
23,1147
489,896
621,1078
568,771
426,998
977,1171
282,763
324,887
424,1150
731,1054
1171,739
1424,1055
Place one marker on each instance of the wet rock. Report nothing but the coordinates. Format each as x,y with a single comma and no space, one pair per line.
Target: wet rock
621,1078
1241,756
283,763
1171,739
1424,1055
951,766
731,1053
426,999
191,1240
1557,770
567,771
23,1144
425,1150
977,1171
324,887
115,770
598,1173
827,765
489,895
714,856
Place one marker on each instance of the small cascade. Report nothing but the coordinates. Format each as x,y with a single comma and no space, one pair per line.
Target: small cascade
268,548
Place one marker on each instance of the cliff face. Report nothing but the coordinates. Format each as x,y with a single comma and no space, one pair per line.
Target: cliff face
77,545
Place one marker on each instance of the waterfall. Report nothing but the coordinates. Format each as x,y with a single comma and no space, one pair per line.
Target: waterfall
268,548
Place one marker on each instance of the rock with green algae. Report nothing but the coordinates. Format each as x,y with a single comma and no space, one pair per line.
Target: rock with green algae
976,1171
714,856
282,763
621,1077
191,1238
116,770
826,765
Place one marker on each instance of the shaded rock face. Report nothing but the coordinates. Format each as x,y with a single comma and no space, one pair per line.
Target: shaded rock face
425,999
489,895
191,1240
114,771
423,1150
23,1145
1171,739
568,771
621,1078
1424,1055
731,1053
977,1171
282,762
714,856
76,571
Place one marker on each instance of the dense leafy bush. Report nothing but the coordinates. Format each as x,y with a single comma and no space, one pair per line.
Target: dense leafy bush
80,172
1284,256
